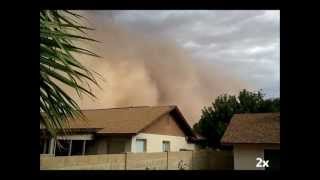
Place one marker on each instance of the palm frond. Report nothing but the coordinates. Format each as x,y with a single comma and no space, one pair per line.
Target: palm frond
57,64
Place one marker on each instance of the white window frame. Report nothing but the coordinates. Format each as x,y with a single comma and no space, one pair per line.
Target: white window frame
84,138
164,143
145,145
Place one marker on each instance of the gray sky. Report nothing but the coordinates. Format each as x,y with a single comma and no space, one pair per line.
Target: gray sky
245,42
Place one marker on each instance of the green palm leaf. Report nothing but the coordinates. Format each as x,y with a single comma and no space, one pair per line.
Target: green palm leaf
57,64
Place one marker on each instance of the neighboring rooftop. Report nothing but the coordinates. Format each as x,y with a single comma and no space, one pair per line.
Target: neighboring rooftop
253,128
125,120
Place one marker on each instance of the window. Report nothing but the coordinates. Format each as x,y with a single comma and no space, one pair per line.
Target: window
62,147
78,147
165,146
90,148
70,147
141,145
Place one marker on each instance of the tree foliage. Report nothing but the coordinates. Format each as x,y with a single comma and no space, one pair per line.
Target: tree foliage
215,118
58,32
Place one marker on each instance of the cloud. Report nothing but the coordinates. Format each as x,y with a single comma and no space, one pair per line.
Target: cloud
236,40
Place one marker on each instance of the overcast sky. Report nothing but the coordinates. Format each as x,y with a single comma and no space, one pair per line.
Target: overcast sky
246,42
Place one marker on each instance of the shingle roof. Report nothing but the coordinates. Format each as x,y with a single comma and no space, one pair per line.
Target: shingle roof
253,128
125,120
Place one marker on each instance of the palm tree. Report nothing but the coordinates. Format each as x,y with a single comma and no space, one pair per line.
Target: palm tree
57,64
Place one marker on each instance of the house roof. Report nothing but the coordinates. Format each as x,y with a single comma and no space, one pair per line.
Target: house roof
126,120
253,128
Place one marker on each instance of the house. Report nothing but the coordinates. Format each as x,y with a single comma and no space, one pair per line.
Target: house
254,136
120,130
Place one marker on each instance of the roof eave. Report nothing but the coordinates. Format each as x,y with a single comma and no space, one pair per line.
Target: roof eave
233,143
189,129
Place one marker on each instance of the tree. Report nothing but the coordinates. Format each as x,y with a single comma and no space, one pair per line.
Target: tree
250,102
215,119
58,32
270,105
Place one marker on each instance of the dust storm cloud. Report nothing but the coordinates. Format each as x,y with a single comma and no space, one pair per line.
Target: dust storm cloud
138,71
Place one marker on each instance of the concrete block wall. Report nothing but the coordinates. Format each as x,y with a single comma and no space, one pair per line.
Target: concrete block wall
186,160
87,162
180,160
200,160
143,161
220,160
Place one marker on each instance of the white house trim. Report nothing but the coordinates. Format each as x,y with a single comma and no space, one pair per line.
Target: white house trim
76,137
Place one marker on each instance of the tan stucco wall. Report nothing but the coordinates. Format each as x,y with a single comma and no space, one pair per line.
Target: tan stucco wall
142,161
222,159
166,125
88,162
245,155
154,142
196,160
184,158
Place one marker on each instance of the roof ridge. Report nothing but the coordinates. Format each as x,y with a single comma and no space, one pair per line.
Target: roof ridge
125,107
257,113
